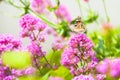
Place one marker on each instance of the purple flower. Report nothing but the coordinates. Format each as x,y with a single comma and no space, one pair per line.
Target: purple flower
109,66
63,13
80,40
30,23
32,27
103,66
35,49
68,57
83,77
8,42
16,72
9,78
5,73
100,77
78,57
57,44
29,71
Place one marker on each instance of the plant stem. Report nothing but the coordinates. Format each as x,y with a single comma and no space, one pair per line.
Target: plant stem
13,4
46,60
89,6
37,66
45,20
79,4
55,26
104,5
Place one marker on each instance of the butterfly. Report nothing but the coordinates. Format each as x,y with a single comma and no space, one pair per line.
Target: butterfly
79,26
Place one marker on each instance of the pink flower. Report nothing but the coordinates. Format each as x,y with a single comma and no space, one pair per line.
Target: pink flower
80,40
30,26
29,71
83,77
86,0
79,51
109,66
57,44
35,49
103,66
100,77
39,6
106,27
31,23
8,42
68,57
63,13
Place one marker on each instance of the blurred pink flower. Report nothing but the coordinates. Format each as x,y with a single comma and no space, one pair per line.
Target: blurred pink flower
63,13
30,23
8,42
100,77
83,77
79,50
106,27
109,66
31,26
40,6
35,49
57,44
86,0
103,66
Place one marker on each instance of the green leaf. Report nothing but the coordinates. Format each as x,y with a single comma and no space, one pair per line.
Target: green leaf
62,72
16,59
46,76
73,21
91,18
54,57
27,78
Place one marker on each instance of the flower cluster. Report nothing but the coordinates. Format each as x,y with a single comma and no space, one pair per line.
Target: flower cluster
33,28
8,42
40,5
89,77
10,74
57,44
83,77
35,49
78,56
109,66
63,13
30,25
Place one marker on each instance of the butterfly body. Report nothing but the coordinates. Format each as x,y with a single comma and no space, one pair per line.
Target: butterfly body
79,26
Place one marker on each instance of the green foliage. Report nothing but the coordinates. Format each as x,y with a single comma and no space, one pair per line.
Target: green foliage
53,58
62,72
16,59
92,17
27,78
106,44
46,76
64,30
